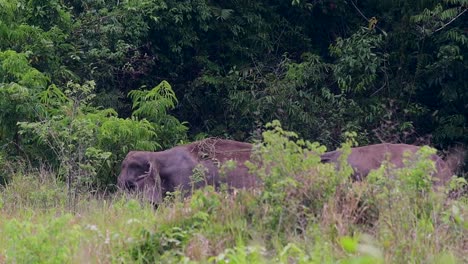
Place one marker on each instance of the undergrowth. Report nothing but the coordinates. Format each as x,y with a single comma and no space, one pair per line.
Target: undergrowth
305,212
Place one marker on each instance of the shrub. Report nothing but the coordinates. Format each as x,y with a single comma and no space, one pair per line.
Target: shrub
295,184
170,239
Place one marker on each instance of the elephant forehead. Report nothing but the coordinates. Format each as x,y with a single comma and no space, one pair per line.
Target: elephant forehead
137,158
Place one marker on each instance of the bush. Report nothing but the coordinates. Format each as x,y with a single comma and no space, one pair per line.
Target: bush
170,239
295,184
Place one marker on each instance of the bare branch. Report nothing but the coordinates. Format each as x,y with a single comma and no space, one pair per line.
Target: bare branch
359,11
453,19
364,16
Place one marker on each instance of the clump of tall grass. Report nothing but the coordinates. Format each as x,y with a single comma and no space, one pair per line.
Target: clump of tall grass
33,189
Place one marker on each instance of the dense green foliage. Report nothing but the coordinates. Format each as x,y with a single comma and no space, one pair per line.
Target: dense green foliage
390,70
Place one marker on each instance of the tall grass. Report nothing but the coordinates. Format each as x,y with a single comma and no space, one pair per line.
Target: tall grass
306,212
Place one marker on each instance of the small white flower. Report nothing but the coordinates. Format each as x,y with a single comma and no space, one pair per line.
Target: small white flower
107,241
133,220
92,228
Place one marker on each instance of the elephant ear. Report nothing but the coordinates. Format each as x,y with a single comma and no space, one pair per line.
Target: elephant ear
152,188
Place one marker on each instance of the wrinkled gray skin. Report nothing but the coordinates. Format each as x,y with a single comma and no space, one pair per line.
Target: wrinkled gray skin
367,158
156,173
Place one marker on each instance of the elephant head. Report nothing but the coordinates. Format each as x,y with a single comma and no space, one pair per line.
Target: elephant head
140,173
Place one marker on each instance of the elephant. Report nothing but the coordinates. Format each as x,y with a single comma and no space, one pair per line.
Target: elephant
156,173
366,158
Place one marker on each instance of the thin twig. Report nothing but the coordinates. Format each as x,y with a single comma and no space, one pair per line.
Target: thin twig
364,16
453,19
378,90
352,2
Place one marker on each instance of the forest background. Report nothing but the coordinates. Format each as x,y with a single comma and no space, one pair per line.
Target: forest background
84,82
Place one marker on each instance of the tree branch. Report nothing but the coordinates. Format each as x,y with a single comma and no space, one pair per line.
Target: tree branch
359,11
453,19
364,16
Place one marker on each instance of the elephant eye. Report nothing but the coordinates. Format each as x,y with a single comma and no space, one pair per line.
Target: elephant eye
147,168
139,169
